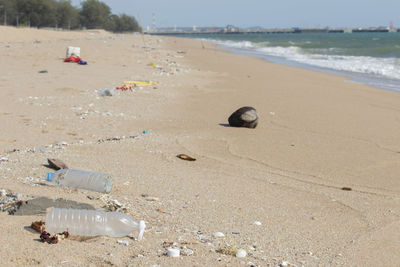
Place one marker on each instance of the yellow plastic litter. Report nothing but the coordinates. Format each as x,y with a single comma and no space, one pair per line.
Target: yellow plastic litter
139,83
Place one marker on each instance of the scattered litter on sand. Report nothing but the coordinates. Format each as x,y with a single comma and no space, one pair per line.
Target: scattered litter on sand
73,55
46,237
11,202
130,85
140,83
112,204
115,138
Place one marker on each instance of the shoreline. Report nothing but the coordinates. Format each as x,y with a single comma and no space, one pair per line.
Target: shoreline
375,81
314,138
303,60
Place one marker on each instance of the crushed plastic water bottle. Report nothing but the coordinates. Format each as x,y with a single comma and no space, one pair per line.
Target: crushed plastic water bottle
92,223
95,181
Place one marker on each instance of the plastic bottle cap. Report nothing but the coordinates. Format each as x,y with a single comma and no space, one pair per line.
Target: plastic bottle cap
142,226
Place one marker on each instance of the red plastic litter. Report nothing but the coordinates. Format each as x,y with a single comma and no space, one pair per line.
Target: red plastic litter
72,59
125,88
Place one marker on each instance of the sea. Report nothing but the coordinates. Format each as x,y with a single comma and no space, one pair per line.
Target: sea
369,58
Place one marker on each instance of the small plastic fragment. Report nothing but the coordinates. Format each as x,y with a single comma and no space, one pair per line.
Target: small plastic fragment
173,252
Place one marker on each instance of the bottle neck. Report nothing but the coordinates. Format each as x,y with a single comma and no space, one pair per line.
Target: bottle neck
142,226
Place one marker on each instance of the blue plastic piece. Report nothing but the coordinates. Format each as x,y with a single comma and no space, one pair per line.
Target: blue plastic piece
49,177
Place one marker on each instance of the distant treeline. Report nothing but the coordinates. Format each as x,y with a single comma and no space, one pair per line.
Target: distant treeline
92,14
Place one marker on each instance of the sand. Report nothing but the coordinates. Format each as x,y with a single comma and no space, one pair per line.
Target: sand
317,134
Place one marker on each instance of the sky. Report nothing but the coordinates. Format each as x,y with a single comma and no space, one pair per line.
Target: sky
264,13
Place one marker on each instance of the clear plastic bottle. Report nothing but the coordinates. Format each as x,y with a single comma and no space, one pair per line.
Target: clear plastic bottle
95,181
92,223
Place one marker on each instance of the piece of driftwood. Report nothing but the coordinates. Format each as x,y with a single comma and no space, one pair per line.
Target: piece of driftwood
185,157
38,226
57,164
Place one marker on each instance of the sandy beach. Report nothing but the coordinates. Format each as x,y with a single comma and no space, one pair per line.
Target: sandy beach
317,134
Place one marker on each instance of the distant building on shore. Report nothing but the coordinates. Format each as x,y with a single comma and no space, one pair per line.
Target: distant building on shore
231,28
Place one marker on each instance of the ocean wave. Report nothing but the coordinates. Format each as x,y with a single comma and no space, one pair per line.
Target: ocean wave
385,67
237,44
